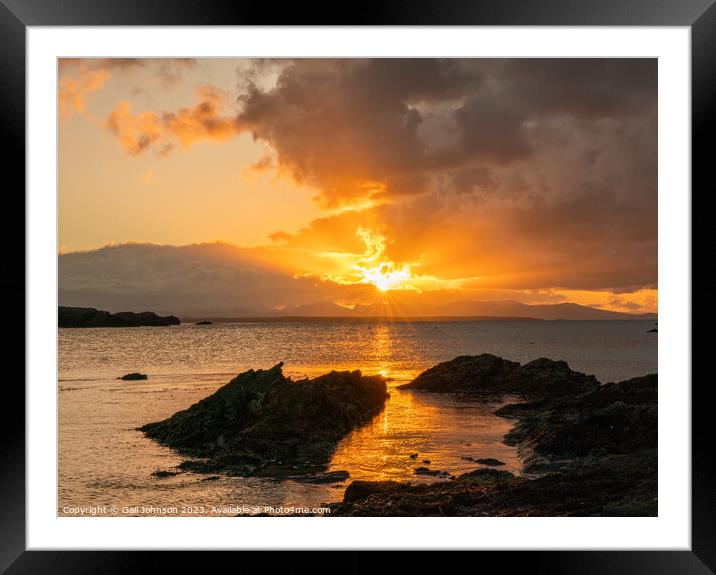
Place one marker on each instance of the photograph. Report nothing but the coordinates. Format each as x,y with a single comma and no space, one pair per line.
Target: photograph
378,287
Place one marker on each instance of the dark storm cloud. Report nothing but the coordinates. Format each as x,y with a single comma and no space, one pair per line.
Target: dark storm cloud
589,88
350,127
359,128
341,123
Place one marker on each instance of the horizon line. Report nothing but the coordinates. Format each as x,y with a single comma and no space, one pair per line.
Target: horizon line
293,318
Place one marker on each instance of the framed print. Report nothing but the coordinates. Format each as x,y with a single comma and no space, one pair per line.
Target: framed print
420,281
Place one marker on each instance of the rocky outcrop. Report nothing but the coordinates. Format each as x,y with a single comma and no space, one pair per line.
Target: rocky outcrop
204,322
615,419
589,454
490,374
264,424
91,317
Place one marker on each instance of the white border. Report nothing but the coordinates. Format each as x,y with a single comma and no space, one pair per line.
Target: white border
671,530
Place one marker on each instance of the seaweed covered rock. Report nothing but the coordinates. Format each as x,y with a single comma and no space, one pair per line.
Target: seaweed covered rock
360,489
635,391
616,418
486,373
616,428
485,475
262,423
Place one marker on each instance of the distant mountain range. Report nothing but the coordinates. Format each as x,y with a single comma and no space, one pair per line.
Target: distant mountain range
486,310
510,309
215,281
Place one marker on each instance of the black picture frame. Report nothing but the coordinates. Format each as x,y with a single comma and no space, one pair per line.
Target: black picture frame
17,15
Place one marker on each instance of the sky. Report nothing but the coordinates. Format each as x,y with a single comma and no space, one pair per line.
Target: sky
270,184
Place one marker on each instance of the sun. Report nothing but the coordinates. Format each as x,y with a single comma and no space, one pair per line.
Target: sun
386,276
383,283
374,267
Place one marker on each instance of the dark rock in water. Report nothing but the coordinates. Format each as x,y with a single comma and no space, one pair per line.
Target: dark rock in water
362,489
546,377
465,373
318,478
163,474
236,468
262,423
91,317
426,471
490,374
489,461
426,461
204,322
485,475
134,376
653,331
413,456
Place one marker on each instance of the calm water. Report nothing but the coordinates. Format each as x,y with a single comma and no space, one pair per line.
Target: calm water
104,462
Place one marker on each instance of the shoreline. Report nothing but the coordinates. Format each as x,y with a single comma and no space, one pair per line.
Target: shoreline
592,454
586,448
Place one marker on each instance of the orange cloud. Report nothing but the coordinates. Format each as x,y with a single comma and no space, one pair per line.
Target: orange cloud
73,91
206,120
135,133
80,77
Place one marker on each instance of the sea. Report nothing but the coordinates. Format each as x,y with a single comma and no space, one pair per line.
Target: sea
105,465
